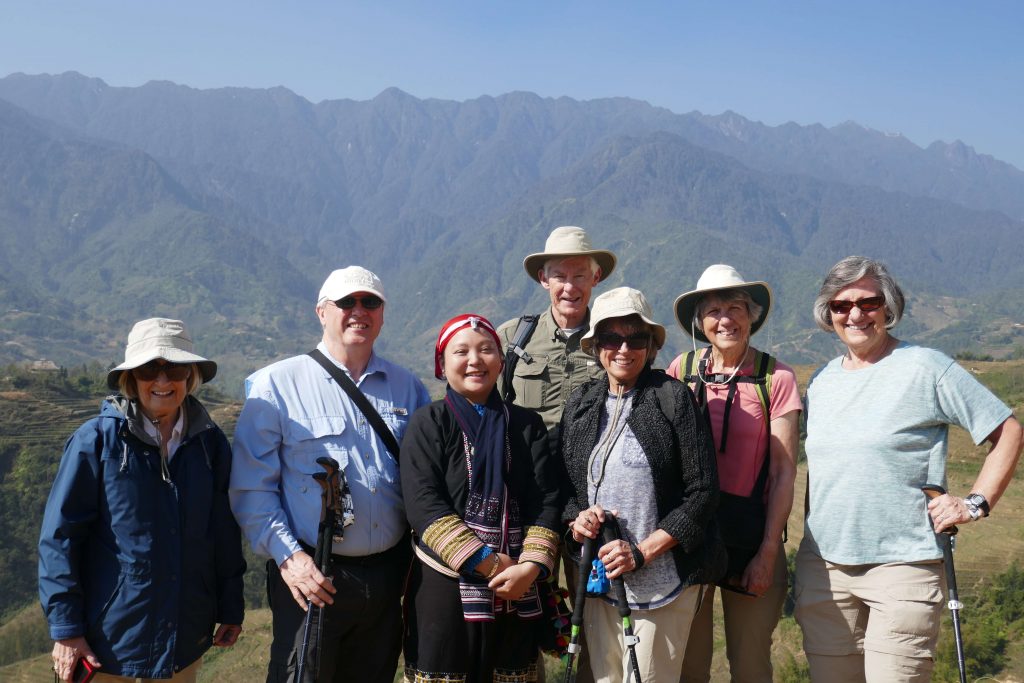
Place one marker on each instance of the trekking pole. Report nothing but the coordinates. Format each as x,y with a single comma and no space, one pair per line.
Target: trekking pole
329,502
946,541
610,532
573,649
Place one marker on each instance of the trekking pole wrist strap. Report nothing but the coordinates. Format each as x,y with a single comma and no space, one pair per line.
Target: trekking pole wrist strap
638,556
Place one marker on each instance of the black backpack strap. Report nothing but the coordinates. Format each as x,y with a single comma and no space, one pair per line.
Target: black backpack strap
359,398
515,351
692,368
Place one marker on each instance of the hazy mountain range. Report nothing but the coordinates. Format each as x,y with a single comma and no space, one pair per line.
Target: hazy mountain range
228,207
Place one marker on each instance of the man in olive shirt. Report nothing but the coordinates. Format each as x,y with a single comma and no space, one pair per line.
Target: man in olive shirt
550,363
553,364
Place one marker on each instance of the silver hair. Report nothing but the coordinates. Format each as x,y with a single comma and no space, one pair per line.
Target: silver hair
727,296
848,271
550,263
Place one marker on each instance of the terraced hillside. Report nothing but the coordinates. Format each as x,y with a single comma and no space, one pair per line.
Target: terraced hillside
34,422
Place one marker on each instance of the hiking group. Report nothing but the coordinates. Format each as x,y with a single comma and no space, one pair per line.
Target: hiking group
396,525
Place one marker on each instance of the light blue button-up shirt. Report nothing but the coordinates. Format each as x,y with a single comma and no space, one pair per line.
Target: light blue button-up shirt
294,413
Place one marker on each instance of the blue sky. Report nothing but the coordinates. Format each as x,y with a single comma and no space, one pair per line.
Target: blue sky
936,70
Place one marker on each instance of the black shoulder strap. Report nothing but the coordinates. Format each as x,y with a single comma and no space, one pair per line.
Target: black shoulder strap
376,421
516,350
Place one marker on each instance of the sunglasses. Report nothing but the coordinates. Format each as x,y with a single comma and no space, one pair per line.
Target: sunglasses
150,371
369,302
610,341
871,303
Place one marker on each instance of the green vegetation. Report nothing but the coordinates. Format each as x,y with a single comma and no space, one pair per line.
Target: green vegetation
38,410
990,621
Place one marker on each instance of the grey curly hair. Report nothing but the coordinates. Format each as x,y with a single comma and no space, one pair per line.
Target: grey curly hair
848,271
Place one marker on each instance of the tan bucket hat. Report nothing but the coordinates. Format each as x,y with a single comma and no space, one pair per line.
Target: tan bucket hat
566,242
717,278
160,338
620,303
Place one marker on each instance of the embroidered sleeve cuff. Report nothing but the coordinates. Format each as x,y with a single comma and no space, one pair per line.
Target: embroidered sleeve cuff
470,565
452,541
540,546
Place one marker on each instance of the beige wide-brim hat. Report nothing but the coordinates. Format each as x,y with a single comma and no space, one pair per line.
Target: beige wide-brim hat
566,242
620,303
160,338
721,277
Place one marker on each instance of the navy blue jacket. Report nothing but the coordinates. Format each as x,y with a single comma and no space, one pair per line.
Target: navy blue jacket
142,566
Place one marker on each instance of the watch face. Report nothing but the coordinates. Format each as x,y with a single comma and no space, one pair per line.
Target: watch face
978,502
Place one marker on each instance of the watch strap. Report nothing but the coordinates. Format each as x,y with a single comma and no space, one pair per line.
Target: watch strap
978,502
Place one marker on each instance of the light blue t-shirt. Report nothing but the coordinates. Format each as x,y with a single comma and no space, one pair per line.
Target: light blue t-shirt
874,437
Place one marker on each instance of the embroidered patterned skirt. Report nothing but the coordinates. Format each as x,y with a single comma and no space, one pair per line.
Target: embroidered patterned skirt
442,646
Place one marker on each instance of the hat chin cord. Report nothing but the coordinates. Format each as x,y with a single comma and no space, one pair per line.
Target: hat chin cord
701,364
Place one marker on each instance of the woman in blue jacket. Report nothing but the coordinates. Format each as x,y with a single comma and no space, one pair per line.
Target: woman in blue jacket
140,559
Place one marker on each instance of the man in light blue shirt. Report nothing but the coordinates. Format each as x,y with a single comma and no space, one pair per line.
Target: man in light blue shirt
295,413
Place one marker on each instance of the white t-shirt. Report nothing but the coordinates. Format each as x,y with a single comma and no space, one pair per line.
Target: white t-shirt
874,437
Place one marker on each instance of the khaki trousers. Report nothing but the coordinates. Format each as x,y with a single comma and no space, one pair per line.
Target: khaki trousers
662,633
870,623
187,675
749,624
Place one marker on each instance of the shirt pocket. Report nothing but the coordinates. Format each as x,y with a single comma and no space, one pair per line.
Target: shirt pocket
594,369
632,453
396,418
317,437
529,381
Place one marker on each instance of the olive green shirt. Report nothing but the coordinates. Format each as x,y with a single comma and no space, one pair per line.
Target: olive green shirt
557,366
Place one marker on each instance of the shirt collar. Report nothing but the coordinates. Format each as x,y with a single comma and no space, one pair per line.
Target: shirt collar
374,366
558,335
153,431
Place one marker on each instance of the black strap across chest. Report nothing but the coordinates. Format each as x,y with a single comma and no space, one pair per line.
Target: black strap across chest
359,398
515,351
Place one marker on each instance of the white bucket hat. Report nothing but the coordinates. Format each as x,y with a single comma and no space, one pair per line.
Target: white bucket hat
620,303
160,338
566,242
344,281
717,278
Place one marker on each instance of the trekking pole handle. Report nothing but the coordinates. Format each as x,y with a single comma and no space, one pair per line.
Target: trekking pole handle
610,531
586,560
933,491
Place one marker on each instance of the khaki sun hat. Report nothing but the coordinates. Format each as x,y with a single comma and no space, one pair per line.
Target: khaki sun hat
566,242
620,303
160,338
717,278
345,281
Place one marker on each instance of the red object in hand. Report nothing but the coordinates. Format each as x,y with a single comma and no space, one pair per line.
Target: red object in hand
84,671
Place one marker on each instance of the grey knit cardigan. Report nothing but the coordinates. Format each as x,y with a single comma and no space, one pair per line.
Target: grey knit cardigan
678,446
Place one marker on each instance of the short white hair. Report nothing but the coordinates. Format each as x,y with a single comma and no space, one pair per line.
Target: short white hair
555,260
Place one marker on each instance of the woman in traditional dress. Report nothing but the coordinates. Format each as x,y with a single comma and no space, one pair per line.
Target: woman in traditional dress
481,496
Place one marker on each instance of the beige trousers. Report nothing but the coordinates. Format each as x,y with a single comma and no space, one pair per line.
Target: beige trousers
187,675
749,624
871,623
662,633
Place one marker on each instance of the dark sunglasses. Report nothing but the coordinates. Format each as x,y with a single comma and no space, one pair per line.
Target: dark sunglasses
610,341
369,302
871,303
150,371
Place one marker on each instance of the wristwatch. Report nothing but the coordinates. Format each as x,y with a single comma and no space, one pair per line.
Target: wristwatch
977,506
